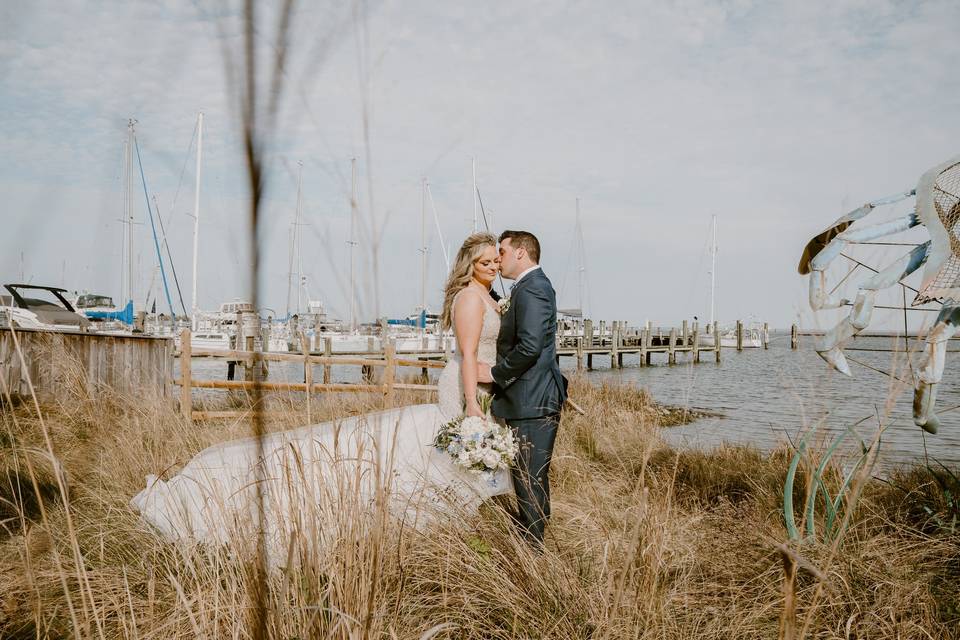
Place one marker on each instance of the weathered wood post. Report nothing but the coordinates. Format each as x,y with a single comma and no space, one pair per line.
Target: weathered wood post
603,331
307,373
588,334
696,342
614,346
794,337
265,335
186,397
739,335
766,335
686,335
672,348
579,340
390,372
716,339
644,337
620,341
249,365
327,352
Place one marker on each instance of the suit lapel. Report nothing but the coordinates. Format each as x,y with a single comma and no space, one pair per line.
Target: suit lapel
536,273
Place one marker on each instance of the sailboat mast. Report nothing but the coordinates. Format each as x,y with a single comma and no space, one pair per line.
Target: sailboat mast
290,269
196,223
423,247
299,236
713,273
353,243
579,241
127,209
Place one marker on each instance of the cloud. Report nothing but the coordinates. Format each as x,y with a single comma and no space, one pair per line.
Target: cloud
657,115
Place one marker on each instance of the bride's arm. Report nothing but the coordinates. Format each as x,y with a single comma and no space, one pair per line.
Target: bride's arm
468,322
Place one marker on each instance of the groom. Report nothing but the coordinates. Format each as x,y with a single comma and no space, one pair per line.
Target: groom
529,391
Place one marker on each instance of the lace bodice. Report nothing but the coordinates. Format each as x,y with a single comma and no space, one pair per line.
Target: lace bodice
450,384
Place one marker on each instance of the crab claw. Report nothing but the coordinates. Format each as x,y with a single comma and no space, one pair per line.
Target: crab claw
835,358
924,398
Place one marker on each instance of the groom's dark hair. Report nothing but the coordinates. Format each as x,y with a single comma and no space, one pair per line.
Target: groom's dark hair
523,239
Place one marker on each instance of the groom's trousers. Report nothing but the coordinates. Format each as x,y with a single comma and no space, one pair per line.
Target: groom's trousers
531,479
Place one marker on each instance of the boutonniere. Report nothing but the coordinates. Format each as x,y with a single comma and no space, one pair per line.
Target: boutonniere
503,304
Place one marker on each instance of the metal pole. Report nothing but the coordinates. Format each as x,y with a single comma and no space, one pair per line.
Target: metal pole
298,235
196,223
353,242
578,240
128,213
423,252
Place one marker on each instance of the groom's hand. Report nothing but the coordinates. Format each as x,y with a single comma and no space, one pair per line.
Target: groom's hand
483,373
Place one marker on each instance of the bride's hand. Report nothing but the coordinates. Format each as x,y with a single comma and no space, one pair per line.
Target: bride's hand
474,410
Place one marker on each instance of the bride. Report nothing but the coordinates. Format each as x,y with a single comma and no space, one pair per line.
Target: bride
309,475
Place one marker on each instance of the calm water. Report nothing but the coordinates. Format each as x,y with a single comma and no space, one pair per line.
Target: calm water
764,397
767,397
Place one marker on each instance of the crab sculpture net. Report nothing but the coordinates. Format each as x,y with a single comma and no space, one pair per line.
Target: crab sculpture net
937,208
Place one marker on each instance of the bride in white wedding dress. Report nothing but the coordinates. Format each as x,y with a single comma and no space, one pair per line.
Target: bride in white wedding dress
313,473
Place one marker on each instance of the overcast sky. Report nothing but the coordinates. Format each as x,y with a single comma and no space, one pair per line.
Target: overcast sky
775,117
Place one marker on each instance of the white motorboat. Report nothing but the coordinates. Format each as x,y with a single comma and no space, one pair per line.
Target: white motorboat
35,307
214,340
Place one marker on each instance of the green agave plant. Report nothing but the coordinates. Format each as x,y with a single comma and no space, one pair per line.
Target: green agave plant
834,506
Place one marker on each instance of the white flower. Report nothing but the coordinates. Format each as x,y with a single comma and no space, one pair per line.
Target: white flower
503,304
479,444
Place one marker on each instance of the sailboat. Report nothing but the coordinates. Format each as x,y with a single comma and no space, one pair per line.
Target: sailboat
752,334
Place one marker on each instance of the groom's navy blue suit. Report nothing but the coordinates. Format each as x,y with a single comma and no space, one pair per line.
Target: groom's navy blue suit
530,391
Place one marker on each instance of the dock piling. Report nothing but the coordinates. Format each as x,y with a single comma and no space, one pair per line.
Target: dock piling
327,351
186,401
390,372
307,373
716,340
615,359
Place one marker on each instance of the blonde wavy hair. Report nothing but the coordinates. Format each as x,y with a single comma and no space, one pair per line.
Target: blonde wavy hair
462,272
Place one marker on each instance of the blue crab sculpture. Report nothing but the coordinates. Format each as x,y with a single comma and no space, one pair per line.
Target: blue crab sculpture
937,208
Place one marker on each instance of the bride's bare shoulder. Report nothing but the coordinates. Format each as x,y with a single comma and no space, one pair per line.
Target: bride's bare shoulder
468,304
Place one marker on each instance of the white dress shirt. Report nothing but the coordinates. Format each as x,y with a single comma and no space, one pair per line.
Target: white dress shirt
520,277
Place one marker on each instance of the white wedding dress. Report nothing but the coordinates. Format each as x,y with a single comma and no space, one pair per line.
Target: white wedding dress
316,472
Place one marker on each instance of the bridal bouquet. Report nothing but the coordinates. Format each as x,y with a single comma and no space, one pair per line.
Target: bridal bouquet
479,445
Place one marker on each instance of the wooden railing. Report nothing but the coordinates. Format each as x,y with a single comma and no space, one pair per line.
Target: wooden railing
387,387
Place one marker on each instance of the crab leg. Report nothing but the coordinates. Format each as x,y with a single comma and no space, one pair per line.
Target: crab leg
929,375
820,298
830,345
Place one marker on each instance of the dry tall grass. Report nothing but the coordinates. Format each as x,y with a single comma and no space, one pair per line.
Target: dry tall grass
645,542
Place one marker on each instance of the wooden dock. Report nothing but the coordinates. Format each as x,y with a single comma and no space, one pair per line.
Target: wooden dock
56,364
582,342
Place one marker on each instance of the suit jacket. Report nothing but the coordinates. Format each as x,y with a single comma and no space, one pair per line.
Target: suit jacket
528,381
